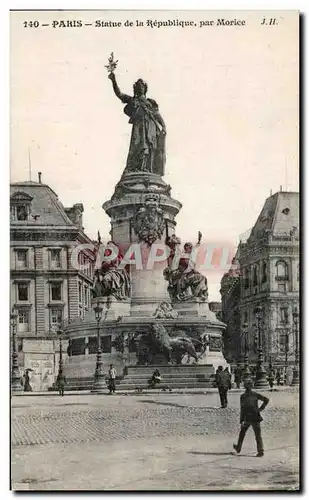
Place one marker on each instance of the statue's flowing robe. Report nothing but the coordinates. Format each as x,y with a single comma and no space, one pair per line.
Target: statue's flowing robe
147,146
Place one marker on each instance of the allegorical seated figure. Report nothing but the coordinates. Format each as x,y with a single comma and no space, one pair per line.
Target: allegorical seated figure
110,280
185,283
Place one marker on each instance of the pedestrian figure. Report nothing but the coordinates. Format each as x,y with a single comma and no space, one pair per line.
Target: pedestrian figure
111,379
223,382
271,378
155,379
237,376
278,377
61,381
250,414
27,386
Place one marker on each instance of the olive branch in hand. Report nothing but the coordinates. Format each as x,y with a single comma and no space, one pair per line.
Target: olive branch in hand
112,65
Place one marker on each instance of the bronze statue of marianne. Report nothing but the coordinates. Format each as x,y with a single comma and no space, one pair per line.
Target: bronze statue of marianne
147,146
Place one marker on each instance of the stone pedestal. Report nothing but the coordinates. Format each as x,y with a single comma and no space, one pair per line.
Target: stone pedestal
194,308
113,309
148,291
134,193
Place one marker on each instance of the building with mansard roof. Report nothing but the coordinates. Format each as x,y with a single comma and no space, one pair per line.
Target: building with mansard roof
269,277
46,286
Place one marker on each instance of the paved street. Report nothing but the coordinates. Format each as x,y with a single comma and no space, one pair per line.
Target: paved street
149,442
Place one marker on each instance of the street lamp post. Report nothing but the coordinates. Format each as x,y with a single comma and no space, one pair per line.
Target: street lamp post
99,386
286,352
261,380
246,372
15,377
60,368
295,380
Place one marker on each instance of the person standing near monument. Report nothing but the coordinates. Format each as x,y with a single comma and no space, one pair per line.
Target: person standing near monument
27,385
250,414
223,382
61,381
237,375
112,379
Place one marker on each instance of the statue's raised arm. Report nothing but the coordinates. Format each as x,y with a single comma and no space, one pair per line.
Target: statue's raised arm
123,97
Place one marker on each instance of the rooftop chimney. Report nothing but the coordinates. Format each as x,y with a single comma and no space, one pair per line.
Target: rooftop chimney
280,189
40,174
271,192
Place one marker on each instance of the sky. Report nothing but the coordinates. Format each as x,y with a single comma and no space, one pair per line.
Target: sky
228,95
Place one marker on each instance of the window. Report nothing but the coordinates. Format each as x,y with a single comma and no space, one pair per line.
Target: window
284,315
132,345
55,258
20,206
282,270
80,297
255,276
87,264
283,342
55,317
21,212
22,258
55,291
86,296
106,343
264,272
78,347
23,321
282,287
246,278
246,317
22,291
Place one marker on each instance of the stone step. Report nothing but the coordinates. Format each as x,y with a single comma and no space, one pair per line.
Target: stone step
169,376
130,387
171,369
137,377
127,384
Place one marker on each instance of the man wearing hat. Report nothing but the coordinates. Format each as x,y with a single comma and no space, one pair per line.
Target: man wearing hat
250,414
223,382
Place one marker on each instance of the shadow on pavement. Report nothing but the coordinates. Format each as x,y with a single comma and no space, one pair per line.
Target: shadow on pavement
164,404
176,405
218,453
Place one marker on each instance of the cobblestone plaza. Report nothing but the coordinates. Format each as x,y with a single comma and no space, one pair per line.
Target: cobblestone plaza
150,442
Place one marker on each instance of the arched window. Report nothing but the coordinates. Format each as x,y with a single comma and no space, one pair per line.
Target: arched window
264,272
255,276
20,206
282,269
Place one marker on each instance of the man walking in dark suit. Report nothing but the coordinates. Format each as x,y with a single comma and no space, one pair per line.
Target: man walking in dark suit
250,415
223,382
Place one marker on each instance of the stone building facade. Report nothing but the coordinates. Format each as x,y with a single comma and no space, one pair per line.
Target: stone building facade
269,277
47,288
230,292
